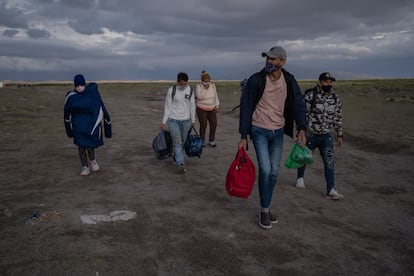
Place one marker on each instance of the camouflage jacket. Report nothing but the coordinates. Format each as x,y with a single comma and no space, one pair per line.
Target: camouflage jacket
325,114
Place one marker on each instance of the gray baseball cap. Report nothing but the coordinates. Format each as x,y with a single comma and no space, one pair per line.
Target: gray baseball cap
275,52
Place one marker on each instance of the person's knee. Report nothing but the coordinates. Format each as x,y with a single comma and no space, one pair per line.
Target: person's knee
265,172
329,158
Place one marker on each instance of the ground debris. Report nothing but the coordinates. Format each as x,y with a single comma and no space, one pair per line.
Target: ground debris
37,217
113,216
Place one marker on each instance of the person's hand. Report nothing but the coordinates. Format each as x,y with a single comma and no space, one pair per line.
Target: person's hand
339,142
301,138
69,131
243,144
192,124
162,126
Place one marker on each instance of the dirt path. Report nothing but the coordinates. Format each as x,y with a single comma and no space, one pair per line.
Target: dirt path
186,224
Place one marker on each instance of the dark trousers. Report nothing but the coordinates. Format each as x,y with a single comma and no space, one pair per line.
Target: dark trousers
325,145
210,117
83,157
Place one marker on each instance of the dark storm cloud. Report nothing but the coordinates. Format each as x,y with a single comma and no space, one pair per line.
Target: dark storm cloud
10,33
12,17
36,33
146,38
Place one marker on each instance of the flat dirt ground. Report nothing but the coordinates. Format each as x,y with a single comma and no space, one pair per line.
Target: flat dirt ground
187,224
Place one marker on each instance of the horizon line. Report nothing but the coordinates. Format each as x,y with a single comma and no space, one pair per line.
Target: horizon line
14,82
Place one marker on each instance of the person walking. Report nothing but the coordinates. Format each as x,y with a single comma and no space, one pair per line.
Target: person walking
83,114
323,113
179,116
269,105
207,105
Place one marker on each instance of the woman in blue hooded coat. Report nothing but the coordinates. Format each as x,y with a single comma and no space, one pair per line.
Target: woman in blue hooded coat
84,112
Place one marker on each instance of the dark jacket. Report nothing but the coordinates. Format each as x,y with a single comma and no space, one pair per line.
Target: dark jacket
294,105
83,115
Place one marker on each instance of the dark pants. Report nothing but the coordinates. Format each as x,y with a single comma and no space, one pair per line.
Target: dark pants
325,145
211,117
83,157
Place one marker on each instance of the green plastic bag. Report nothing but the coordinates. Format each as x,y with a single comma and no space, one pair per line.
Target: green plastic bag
298,157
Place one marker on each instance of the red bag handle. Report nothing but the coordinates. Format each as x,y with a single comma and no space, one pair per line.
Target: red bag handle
241,155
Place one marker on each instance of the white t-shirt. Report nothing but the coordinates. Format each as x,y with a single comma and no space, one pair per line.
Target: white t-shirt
181,108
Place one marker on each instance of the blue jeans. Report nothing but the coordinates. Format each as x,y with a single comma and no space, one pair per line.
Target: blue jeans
178,131
268,145
325,145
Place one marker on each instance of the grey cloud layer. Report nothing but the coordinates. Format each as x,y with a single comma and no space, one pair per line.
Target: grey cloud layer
153,39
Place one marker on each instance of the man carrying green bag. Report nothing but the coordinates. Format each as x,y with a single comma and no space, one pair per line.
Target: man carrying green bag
323,113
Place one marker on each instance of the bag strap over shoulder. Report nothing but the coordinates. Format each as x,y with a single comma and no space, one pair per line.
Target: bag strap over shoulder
174,90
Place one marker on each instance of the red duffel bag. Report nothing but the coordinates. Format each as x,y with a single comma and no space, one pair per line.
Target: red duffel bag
240,175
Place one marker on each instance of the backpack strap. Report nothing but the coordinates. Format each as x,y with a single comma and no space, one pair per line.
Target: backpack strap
174,90
315,92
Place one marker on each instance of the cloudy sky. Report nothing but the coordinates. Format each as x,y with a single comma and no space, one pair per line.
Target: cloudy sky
140,40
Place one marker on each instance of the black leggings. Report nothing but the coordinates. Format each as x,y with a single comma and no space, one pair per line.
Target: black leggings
82,155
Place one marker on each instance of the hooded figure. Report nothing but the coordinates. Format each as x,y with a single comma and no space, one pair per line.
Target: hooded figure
84,111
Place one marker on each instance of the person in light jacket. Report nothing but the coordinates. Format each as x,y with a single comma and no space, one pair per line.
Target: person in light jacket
179,115
207,103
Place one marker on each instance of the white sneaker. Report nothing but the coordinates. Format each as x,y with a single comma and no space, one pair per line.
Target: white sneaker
334,195
85,171
300,183
212,144
94,165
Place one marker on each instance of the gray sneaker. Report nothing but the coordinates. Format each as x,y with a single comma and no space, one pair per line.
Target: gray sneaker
94,165
300,183
264,220
212,144
85,171
334,195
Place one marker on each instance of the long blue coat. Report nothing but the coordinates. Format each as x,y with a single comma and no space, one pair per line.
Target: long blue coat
83,115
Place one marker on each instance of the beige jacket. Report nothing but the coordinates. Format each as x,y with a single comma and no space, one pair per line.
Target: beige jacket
207,99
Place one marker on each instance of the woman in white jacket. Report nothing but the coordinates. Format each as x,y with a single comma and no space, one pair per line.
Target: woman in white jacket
207,104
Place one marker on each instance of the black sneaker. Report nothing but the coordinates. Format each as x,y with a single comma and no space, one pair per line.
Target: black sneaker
273,218
264,220
181,169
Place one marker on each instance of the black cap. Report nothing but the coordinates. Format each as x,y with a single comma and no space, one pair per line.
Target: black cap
326,76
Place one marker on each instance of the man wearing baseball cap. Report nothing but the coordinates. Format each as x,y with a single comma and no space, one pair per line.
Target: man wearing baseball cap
323,113
270,104
326,76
